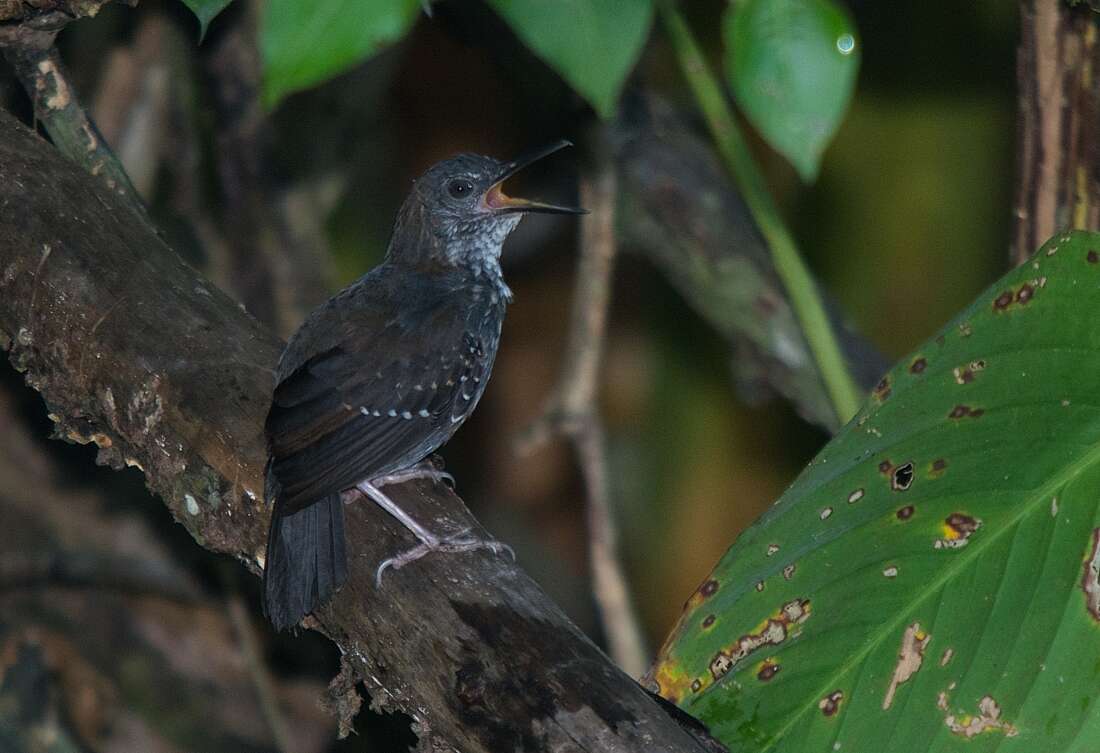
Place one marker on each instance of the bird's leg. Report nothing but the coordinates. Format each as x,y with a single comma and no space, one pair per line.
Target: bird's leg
429,542
424,469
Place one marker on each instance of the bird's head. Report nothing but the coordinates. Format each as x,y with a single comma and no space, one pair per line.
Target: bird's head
458,213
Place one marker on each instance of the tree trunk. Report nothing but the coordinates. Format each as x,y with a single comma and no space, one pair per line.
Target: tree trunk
1058,135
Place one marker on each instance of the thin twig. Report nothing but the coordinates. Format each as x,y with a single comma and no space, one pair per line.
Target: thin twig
38,66
241,618
131,102
804,295
573,413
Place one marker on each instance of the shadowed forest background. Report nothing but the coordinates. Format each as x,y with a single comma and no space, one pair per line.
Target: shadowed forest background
909,220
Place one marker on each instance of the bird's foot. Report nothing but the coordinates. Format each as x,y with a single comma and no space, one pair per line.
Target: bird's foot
425,469
456,542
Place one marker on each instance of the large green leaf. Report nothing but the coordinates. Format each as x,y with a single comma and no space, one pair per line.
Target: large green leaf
931,581
205,11
792,65
305,43
592,44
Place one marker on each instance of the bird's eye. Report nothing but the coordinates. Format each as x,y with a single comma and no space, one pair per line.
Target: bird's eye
460,189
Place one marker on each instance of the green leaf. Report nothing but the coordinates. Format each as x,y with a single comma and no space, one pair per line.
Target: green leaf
792,65
305,43
931,581
592,44
205,11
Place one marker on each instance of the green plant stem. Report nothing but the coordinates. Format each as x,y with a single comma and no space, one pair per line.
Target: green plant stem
805,298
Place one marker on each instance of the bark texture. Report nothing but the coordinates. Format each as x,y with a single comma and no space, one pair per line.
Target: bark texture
1058,125
17,16
133,350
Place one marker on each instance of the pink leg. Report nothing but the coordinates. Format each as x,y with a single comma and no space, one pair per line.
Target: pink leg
423,469
429,542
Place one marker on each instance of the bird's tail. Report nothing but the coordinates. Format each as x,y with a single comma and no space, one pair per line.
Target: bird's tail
306,562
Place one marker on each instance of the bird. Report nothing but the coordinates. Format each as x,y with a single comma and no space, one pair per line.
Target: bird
381,375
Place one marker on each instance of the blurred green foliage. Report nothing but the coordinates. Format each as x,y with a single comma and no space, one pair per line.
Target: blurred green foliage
305,43
792,65
593,44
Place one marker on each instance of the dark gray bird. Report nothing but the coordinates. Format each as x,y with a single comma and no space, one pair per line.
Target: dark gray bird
382,374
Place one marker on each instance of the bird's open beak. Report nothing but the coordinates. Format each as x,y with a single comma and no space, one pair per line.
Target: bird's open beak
497,201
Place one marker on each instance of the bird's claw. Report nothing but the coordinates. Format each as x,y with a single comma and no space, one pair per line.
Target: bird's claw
457,542
421,471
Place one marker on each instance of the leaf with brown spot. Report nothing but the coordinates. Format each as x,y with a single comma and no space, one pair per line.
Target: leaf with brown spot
1005,584
767,671
882,389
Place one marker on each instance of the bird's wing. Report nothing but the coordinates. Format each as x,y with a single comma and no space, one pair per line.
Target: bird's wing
354,412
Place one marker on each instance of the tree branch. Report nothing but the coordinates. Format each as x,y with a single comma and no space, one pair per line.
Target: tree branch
573,412
28,45
19,16
134,351
83,572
